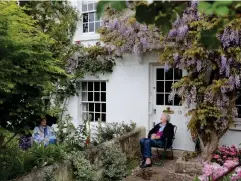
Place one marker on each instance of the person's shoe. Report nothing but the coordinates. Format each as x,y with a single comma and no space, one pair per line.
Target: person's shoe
146,165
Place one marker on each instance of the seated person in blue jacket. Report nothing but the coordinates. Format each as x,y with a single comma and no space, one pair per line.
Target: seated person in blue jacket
156,136
44,133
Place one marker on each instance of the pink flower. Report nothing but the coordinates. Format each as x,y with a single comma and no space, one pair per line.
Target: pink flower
216,156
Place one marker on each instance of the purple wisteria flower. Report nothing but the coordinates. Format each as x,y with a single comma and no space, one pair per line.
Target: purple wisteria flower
182,32
208,97
176,57
143,41
172,33
223,63
166,67
177,22
237,81
194,4
199,65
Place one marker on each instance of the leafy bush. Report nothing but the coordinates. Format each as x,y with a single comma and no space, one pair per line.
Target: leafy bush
83,170
114,163
112,130
15,162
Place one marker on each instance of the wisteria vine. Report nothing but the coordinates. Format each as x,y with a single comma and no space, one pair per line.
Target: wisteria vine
213,76
122,34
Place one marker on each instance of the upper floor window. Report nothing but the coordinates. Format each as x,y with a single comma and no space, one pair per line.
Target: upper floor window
90,20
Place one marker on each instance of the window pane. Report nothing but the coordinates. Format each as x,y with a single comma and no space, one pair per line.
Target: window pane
169,74
84,7
84,86
160,86
85,116
239,111
97,86
85,27
85,17
103,107
91,27
103,117
90,96
84,96
177,101
91,107
91,116
90,86
160,74
97,96
90,7
103,86
159,99
91,17
238,101
97,116
85,107
97,107
177,74
166,100
103,96
97,25
168,86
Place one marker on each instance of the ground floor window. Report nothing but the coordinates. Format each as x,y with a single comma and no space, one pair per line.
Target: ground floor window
93,100
237,121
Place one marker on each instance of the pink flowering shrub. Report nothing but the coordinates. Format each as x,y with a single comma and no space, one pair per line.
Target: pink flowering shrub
236,175
224,159
224,153
214,171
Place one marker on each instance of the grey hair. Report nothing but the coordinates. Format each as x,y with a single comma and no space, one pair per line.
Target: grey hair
168,117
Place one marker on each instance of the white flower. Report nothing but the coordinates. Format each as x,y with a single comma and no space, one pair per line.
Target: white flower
55,127
64,130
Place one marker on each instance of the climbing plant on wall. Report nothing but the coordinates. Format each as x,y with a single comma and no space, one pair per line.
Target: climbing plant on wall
122,33
212,83
213,76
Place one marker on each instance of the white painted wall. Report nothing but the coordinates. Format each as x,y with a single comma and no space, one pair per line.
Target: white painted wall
128,89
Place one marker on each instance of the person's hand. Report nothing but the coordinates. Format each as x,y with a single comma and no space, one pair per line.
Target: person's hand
153,136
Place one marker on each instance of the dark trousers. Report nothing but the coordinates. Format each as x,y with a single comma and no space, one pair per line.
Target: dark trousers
146,144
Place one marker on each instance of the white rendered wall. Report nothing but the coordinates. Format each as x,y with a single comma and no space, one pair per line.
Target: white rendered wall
128,92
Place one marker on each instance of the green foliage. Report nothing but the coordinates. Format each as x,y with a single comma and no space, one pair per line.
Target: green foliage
117,5
57,19
15,162
189,155
28,68
83,170
112,130
114,163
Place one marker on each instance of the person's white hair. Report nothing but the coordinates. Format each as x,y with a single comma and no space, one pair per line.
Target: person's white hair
167,116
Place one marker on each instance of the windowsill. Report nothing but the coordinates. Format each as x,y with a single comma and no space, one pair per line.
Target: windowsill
235,128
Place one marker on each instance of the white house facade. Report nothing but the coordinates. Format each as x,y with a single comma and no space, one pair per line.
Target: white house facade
136,90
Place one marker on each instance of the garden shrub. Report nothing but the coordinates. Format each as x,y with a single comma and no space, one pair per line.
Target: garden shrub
83,170
112,130
15,162
114,163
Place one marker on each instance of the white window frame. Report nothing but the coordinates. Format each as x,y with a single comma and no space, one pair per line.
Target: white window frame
87,101
88,12
164,93
236,125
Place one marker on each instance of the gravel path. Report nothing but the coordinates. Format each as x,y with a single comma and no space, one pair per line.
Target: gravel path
158,173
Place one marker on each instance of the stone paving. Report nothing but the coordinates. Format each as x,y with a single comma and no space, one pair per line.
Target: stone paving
166,172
